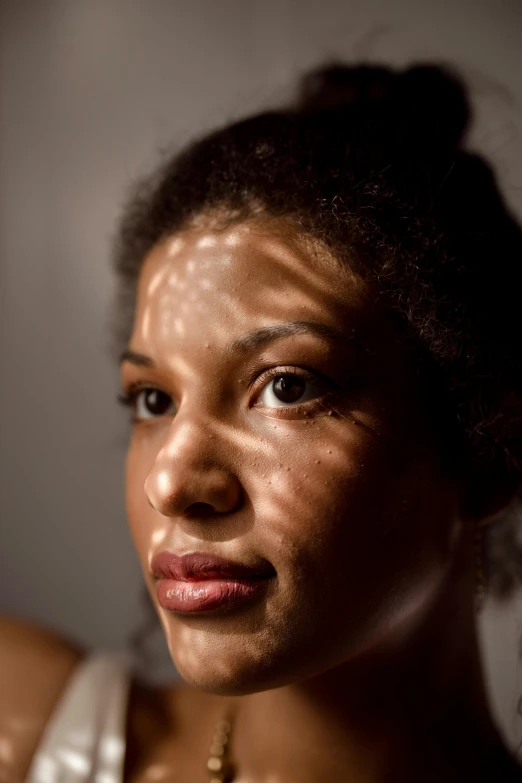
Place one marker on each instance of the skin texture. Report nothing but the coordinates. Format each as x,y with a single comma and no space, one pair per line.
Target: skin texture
321,497
344,495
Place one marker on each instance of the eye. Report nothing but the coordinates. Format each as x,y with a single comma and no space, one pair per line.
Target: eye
147,403
152,402
289,388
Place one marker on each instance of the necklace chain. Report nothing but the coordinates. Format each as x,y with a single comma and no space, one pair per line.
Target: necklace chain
219,764
221,768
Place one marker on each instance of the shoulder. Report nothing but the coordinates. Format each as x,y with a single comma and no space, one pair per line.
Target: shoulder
35,664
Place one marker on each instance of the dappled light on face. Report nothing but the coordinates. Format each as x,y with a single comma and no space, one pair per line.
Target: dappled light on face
145,324
234,237
315,480
175,246
285,483
293,491
167,310
158,536
163,482
268,261
184,434
207,241
317,270
179,327
155,281
179,305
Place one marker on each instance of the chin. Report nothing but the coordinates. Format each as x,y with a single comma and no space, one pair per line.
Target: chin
227,664
237,664
226,675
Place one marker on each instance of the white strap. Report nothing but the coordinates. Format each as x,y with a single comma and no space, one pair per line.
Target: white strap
84,741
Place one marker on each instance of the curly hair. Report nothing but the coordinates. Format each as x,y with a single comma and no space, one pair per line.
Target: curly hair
371,162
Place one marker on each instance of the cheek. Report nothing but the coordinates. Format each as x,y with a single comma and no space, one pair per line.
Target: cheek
361,529
314,496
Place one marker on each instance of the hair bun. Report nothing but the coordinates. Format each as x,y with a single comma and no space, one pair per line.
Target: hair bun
425,102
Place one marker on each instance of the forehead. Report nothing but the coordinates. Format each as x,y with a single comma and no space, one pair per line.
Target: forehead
216,289
248,272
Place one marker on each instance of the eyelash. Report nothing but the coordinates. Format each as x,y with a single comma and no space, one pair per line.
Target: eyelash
129,396
310,377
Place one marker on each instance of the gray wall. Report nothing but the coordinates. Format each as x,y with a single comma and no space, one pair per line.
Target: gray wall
90,90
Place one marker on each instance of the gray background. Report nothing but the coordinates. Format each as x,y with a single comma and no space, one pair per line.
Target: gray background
90,91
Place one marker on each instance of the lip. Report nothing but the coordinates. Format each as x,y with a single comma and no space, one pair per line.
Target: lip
197,582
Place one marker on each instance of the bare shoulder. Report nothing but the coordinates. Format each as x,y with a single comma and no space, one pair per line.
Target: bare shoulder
35,664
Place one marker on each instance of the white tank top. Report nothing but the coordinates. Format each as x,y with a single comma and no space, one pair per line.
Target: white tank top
84,740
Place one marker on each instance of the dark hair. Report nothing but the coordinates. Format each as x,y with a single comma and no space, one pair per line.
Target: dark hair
371,162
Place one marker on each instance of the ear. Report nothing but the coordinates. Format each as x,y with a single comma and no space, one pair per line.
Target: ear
485,500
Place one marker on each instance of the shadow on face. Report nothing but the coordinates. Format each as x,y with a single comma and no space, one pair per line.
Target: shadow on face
279,420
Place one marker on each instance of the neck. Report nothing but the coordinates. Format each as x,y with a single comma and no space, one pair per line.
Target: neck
416,709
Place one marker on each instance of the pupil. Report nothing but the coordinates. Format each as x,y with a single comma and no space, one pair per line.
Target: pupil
287,388
156,402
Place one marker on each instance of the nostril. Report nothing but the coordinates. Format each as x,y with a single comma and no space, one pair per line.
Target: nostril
200,511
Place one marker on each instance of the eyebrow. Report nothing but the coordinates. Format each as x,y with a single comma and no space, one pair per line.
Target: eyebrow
139,359
261,337
267,334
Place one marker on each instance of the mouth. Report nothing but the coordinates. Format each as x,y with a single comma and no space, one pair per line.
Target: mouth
196,582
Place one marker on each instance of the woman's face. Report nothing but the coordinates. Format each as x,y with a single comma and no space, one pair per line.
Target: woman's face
303,452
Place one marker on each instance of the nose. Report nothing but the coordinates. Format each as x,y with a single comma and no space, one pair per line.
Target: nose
188,477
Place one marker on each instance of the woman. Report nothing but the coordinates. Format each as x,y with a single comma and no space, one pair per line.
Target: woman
321,357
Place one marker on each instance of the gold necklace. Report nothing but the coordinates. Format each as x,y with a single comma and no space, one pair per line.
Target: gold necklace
219,765
221,768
